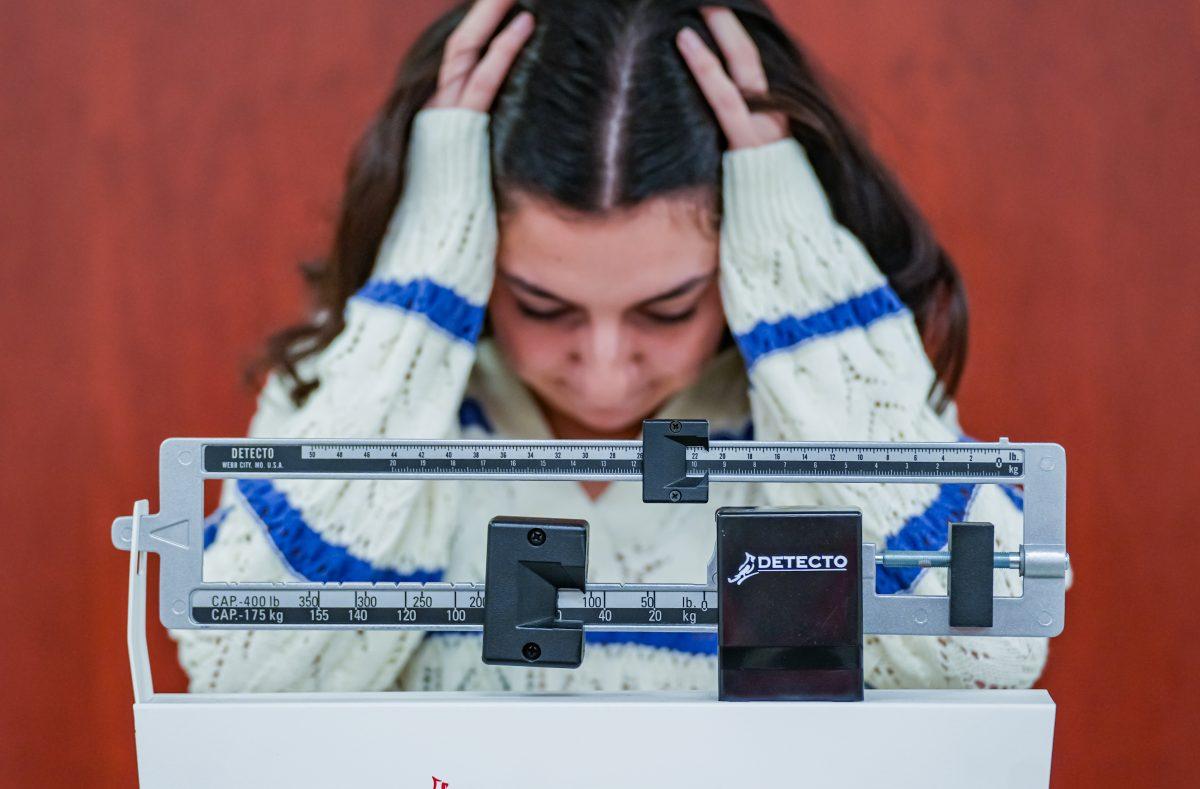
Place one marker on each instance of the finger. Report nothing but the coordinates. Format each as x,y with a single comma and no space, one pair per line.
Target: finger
461,52
741,54
722,95
485,81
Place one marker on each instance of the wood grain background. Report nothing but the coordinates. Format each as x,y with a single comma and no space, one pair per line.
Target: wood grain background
164,165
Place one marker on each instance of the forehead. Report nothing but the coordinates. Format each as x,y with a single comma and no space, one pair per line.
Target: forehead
620,257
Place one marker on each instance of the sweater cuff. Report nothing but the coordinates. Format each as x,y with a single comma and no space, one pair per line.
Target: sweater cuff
449,157
783,252
444,227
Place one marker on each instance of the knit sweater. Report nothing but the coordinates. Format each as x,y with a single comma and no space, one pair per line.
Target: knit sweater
825,352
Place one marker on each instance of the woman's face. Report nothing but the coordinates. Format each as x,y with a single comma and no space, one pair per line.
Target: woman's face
604,318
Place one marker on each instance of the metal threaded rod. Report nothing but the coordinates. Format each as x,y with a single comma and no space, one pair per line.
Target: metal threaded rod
1004,560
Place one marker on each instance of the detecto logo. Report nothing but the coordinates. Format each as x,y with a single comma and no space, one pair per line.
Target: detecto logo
815,563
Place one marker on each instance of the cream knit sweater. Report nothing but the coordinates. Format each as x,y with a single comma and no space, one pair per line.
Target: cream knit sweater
827,352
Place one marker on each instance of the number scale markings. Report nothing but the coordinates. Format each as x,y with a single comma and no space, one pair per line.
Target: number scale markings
723,461
444,606
460,606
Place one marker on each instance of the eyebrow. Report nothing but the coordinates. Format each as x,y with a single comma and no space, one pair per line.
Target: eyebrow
682,288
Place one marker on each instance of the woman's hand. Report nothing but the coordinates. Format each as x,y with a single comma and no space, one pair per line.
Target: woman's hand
468,81
726,92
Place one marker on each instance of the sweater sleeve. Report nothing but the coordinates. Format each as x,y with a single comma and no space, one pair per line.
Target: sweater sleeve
398,369
834,355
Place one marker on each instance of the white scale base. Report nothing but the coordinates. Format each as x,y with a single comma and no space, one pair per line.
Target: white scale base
898,738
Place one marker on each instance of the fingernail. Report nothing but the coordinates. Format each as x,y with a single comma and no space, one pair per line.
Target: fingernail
688,38
524,21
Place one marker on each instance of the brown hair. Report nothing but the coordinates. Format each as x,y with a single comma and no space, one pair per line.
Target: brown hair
599,111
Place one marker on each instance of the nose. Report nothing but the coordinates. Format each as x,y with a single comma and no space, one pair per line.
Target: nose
608,363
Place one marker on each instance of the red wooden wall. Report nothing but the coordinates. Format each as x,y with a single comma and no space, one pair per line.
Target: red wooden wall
164,165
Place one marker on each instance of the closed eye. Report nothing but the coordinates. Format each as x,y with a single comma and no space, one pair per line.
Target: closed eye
677,317
542,315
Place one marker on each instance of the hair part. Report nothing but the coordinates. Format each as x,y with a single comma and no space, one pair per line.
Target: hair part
600,113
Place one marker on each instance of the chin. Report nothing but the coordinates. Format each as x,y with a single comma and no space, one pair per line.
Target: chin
603,422
626,418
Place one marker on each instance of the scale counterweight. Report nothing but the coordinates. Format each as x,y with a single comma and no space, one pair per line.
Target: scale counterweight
722,461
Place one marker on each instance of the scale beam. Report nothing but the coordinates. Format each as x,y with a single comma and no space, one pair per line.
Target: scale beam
721,461
675,463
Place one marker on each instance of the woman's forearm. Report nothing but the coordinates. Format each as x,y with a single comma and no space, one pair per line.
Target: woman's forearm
813,315
398,369
834,355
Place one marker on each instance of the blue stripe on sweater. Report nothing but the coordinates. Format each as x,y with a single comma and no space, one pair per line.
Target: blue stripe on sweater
788,332
212,525
928,531
441,305
471,414
306,551
687,643
1015,494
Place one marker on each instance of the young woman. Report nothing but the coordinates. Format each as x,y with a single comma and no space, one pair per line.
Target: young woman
664,216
